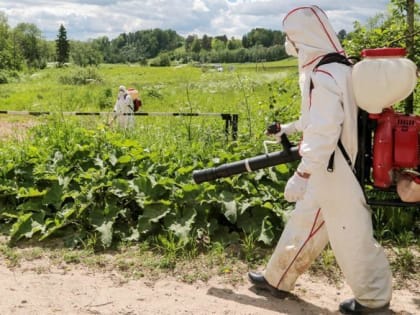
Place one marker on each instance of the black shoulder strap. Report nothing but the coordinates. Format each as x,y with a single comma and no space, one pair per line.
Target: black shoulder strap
330,166
331,58
334,57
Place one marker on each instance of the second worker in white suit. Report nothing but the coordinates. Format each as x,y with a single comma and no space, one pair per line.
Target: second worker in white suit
124,109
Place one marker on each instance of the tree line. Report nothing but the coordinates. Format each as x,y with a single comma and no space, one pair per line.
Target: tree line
23,47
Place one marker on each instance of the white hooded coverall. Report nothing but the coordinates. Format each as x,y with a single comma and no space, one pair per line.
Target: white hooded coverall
333,208
124,108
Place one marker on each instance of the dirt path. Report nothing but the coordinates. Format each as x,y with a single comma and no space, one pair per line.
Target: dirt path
78,290
15,129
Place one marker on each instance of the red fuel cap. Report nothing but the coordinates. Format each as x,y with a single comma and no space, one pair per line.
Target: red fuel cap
384,52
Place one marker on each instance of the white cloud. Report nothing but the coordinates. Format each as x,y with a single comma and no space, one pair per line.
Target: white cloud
86,19
199,6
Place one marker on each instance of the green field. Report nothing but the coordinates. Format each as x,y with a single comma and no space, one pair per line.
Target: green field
162,88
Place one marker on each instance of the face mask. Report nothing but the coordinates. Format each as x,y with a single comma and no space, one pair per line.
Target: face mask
290,49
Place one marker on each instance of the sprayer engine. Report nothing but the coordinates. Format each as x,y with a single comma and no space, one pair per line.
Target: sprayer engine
396,146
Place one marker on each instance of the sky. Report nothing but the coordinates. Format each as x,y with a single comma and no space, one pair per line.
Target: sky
90,19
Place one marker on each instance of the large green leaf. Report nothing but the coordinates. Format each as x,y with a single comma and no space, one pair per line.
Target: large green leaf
54,195
250,221
27,225
229,208
30,192
188,193
103,221
124,159
182,223
106,231
266,236
153,212
120,188
142,185
31,204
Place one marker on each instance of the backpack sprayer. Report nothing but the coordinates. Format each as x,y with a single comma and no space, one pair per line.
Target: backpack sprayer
389,142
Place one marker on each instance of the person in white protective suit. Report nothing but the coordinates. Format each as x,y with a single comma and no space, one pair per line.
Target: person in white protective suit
123,109
330,204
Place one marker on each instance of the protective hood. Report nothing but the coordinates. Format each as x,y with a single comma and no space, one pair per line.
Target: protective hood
122,91
312,34
290,49
328,112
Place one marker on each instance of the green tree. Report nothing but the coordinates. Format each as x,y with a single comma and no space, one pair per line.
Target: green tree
398,28
386,30
245,41
27,38
196,45
188,42
218,44
260,36
103,45
62,46
234,44
6,49
278,38
342,35
85,54
206,42
263,37
223,38
411,47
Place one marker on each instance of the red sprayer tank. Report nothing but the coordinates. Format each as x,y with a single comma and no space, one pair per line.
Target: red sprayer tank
383,78
396,145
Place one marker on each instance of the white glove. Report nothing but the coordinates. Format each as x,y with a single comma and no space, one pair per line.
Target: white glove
286,129
295,188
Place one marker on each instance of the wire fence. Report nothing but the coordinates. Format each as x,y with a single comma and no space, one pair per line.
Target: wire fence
230,126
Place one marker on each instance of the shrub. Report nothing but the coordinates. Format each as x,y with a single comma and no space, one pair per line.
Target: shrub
81,76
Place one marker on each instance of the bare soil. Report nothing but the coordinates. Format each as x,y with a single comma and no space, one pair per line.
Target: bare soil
14,128
42,287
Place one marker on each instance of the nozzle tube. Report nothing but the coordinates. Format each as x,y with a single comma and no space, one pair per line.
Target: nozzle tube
247,165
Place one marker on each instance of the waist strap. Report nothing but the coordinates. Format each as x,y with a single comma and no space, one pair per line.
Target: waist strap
330,167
